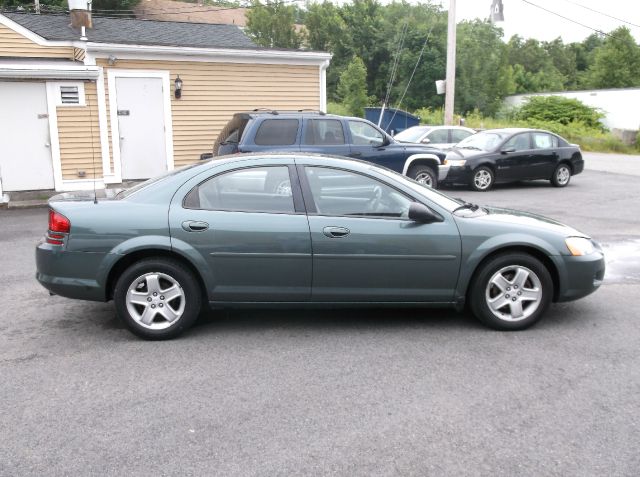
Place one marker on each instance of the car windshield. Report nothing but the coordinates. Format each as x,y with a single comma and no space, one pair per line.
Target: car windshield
412,134
482,141
439,198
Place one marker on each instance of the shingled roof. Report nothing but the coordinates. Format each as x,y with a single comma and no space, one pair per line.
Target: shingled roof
136,32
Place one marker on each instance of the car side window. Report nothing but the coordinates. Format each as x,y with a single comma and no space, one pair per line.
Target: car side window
519,142
458,135
326,132
439,136
255,189
363,134
277,132
339,193
544,141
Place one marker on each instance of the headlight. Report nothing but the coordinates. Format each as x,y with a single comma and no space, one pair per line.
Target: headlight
579,246
455,163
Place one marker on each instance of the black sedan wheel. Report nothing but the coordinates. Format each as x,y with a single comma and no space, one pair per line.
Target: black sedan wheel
424,175
157,298
482,179
561,176
511,292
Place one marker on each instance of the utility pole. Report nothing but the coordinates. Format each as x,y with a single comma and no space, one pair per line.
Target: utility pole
451,64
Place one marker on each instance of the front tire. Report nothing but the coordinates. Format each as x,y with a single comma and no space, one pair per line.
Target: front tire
424,175
157,298
561,176
511,292
482,179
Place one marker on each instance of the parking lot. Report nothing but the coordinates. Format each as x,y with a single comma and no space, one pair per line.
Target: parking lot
333,392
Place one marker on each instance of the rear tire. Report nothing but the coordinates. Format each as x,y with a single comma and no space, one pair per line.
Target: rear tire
511,292
561,176
157,298
482,179
424,175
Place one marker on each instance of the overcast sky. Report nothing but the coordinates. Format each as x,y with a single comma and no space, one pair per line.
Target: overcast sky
529,21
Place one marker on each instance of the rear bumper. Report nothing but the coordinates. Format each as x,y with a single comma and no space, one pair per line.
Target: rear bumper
581,276
70,274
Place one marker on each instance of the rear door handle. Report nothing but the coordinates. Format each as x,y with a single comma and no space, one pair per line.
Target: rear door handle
194,226
336,232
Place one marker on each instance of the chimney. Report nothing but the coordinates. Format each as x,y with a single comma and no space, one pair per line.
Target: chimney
80,14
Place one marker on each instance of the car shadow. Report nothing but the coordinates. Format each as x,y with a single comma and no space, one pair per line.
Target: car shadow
536,184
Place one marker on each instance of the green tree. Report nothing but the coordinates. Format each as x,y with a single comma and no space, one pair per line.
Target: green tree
616,63
352,87
272,25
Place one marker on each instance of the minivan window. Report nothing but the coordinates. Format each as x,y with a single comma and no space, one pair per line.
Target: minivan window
277,132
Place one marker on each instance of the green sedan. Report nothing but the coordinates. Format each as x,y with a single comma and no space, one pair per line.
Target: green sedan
306,230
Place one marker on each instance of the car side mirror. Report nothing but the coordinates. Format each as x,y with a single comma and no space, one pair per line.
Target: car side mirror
507,150
422,214
426,140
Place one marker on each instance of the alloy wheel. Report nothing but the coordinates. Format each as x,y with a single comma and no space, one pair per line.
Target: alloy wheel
155,300
513,293
482,179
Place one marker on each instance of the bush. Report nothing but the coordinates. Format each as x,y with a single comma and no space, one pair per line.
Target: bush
337,108
561,110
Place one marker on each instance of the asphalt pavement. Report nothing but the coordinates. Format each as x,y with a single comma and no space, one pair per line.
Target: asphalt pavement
331,392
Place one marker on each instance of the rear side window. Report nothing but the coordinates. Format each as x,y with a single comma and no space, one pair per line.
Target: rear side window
458,135
256,189
544,141
326,132
277,132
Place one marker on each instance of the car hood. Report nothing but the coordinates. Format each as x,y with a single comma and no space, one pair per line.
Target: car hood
412,148
526,220
457,154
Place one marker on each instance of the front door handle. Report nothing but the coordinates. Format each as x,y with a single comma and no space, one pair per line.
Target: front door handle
194,226
336,232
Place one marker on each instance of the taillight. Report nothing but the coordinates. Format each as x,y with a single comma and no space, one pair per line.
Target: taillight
58,226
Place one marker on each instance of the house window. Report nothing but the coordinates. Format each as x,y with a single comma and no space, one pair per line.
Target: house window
70,94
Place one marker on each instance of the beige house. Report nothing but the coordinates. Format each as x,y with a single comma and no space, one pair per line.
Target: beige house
77,112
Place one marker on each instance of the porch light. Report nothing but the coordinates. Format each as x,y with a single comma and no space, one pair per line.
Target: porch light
178,87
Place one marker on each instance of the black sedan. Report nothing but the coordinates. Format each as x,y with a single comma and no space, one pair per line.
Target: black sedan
509,155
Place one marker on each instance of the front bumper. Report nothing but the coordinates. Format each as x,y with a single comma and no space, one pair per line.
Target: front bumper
580,276
443,171
70,274
458,175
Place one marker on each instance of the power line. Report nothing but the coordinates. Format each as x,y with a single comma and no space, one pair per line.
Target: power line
566,18
602,13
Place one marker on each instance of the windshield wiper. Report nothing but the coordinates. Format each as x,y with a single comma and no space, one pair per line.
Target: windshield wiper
467,205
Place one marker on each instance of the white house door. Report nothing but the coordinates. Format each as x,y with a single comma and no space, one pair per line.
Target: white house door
25,144
140,104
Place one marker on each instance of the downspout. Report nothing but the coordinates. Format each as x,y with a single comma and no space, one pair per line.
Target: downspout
323,85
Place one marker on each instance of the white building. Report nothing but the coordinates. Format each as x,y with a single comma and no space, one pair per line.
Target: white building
621,106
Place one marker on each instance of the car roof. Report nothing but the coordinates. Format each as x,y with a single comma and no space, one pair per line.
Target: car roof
293,114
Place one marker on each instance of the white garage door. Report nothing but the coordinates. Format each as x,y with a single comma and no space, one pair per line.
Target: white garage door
25,149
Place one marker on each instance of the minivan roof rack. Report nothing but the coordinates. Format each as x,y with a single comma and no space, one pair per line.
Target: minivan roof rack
272,111
321,113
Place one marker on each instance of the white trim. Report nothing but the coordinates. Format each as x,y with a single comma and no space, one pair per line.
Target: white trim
54,140
415,157
170,53
81,184
46,71
112,74
103,125
37,39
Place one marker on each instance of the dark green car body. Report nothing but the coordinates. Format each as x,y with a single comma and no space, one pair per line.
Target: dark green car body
303,256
